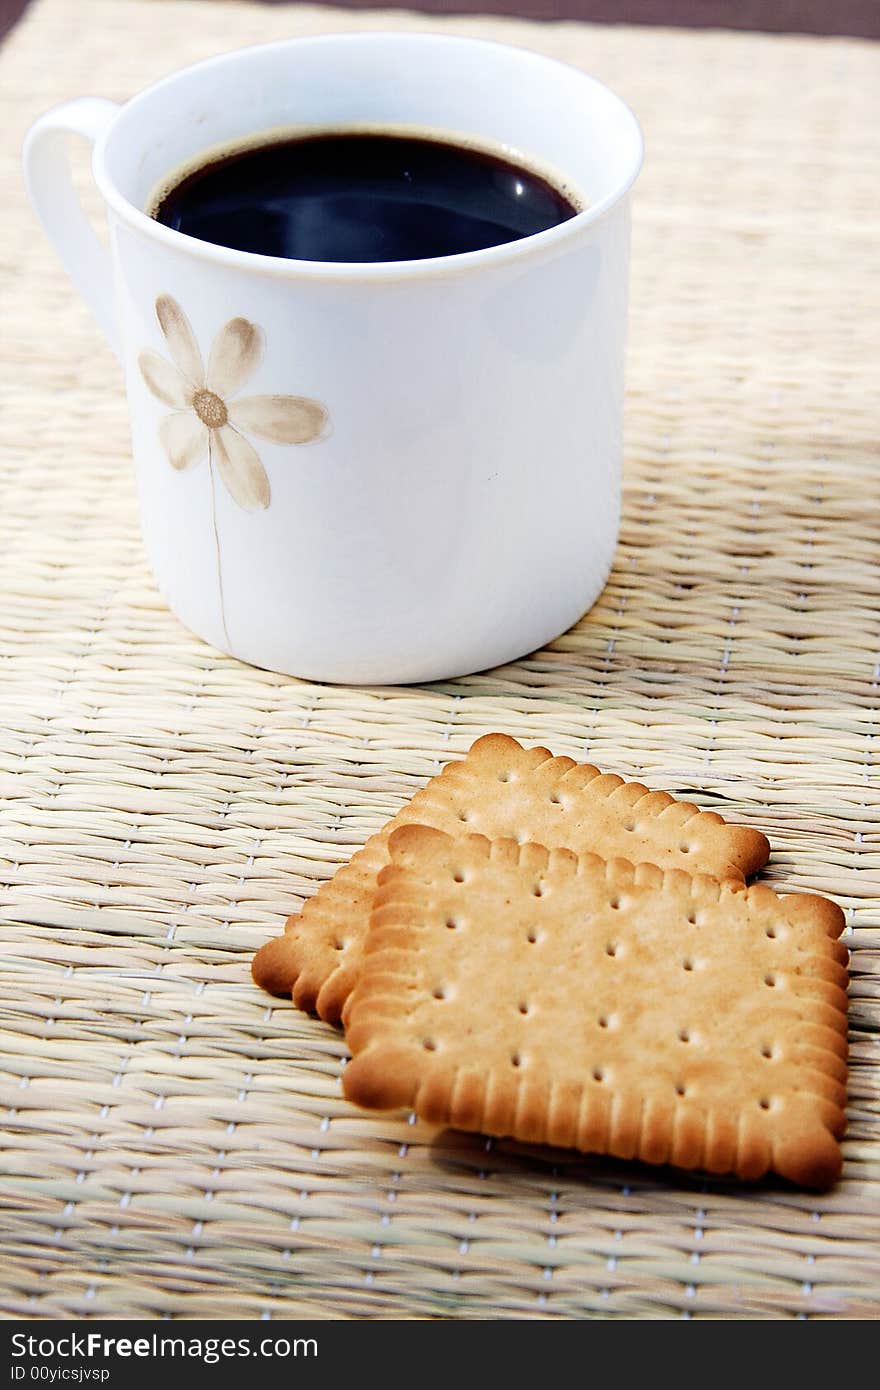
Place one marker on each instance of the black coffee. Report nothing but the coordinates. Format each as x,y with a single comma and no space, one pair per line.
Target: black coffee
362,196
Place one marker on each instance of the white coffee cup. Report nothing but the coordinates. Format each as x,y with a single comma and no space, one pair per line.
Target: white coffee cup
366,473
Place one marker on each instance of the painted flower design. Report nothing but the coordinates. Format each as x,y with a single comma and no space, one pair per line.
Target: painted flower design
208,419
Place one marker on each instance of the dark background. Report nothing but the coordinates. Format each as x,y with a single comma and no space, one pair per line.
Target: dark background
858,18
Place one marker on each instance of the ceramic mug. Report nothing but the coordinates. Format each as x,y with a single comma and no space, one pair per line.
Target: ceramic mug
368,473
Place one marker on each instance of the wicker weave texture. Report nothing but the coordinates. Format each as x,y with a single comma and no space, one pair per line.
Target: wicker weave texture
174,1142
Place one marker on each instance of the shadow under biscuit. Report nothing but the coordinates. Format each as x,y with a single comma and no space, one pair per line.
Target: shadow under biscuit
457,1151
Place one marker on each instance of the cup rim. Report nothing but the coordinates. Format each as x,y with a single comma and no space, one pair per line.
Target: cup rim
549,240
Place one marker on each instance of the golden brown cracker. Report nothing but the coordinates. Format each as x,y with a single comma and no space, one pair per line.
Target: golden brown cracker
563,999
499,789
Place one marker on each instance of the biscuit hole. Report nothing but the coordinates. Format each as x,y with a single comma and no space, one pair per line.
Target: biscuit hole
598,1074
516,1060
538,890
429,1045
770,981
615,903
629,825
532,935
764,1103
464,815
684,1036
603,1021
685,848
556,800
338,945
439,992
458,876
505,777
451,923
692,919
611,949
681,1089
687,963
767,1050
771,932
523,1007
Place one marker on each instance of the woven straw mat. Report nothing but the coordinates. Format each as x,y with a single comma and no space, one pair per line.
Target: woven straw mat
175,1143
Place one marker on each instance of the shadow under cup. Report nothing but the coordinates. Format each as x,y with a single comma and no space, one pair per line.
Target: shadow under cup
385,472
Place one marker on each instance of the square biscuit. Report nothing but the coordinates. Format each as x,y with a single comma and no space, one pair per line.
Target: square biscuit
499,789
558,998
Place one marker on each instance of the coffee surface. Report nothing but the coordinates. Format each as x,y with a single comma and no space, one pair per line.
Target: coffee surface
361,196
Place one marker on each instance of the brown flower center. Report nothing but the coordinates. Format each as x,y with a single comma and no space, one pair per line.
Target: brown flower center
210,409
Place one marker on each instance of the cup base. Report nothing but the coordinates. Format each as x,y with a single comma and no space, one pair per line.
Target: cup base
410,670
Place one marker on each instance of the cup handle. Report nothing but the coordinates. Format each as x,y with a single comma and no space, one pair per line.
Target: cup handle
49,185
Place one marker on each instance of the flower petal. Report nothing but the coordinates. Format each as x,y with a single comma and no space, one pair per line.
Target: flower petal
283,419
236,353
185,439
164,380
180,339
240,468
